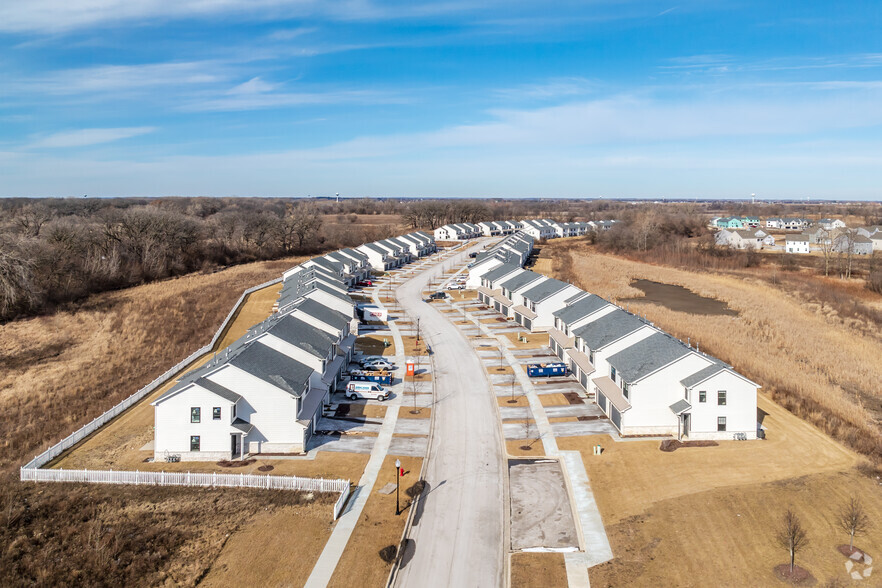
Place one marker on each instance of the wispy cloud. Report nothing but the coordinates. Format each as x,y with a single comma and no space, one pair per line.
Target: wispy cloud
554,89
87,137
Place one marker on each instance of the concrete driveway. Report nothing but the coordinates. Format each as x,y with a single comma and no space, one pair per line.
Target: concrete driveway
457,539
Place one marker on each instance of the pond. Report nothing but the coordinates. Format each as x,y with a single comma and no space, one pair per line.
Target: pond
679,298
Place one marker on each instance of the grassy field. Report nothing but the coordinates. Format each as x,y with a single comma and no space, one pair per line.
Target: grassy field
708,516
813,360
96,535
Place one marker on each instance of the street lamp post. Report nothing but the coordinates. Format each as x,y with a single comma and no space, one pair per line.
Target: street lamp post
397,486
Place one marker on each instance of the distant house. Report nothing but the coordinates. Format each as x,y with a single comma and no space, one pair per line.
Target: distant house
730,222
750,221
831,223
744,239
853,243
796,224
797,244
775,223
540,228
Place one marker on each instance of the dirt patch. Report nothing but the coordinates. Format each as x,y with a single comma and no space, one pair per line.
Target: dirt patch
538,570
556,399
524,447
224,463
375,345
519,400
797,576
409,412
679,299
673,445
573,398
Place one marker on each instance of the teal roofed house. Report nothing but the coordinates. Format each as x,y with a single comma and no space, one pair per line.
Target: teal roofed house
750,221
730,223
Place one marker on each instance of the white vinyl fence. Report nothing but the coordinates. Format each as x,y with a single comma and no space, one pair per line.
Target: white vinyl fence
202,479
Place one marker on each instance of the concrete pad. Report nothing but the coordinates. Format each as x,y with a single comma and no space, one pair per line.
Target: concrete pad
597,548
582,428
354,424
412,427
344,444
574,410
409,446
541,515
515,412
519,431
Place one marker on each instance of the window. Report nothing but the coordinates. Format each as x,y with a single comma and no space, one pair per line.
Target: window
216,413
591,356
625,389
721,398
234,411
721,423
702,395
195,414
194,443
612,373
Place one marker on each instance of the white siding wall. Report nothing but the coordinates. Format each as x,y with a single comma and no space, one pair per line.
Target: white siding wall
478,271
740,408
652,397
173,426
272,411
547,307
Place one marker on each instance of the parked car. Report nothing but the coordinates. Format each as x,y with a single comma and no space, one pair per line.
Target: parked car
377,364
456,287
369,390
438,296
366,283
473,254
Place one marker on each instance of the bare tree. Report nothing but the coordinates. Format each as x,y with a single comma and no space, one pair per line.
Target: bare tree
825,240
16,280
853,519
791,536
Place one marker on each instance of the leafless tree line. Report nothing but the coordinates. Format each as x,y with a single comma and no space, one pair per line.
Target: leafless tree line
56,251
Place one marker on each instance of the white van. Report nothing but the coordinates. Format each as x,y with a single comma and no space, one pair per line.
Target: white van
369,390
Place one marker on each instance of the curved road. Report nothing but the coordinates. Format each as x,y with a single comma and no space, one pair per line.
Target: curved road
457,536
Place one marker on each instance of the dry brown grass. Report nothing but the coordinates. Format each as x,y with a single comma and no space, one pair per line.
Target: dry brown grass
810,361
73,534
701,504
377,527
533,340
538,570
409,412
374,344
520,400
520,447
556,399
62,370
412,349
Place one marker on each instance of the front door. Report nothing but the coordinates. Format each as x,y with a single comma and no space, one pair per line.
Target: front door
686,425
234,446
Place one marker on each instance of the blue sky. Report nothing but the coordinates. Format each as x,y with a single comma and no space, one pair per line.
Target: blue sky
447,98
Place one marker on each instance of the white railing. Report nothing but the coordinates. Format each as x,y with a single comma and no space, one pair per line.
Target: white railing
206,479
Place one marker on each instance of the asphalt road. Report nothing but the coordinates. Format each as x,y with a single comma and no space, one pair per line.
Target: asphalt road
457,536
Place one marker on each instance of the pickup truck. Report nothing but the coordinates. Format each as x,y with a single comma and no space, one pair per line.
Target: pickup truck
437,296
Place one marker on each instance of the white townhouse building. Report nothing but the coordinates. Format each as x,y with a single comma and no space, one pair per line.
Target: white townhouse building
399,253
458,232
562,338
490,293
378,257
573,229
540,228
660,386
513,249
774,223
514,287
797,244
263,394
541,301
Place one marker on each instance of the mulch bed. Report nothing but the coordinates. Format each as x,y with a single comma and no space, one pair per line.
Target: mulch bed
235,464
847,551
799,576
265,468
673,445
588,418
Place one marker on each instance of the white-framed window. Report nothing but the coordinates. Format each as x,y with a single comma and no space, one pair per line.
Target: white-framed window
702,395
216,413
195,414
721,423
194,443
721,398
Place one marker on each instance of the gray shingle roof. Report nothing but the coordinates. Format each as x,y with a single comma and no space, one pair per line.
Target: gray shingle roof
329,316
581,308
501,271
303,335
609,328
274,367
703,374
548,288
216,388
647,356
520,280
